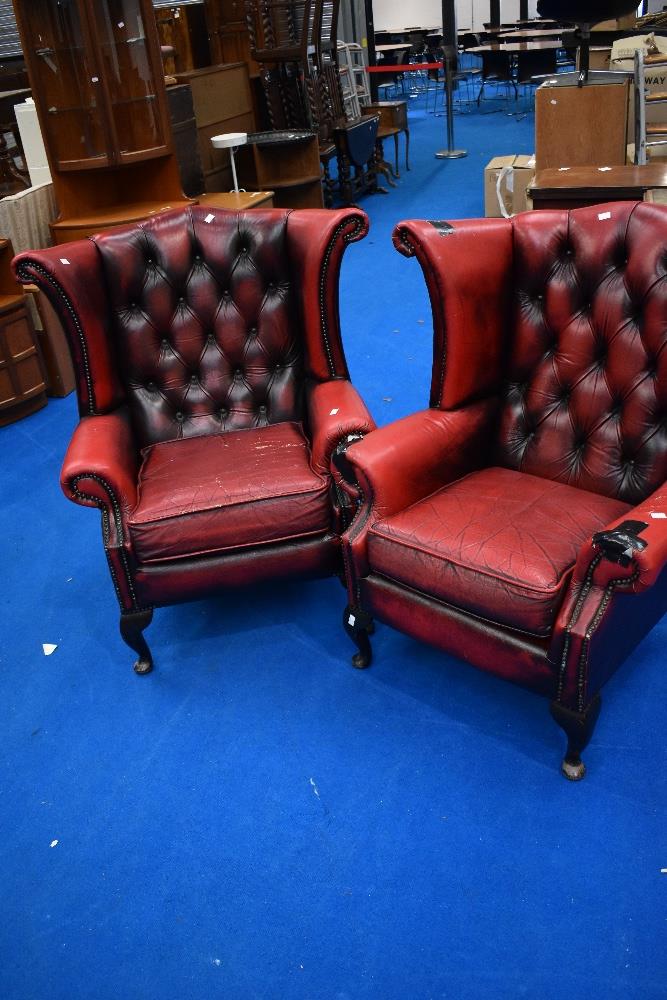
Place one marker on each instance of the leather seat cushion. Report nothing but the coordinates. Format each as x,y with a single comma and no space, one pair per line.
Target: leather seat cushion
498,543
226,491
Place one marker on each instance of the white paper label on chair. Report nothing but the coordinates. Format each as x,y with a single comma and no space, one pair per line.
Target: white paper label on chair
658,515
333,412
603,170
553,102
64,260
604,215
351,620
210,217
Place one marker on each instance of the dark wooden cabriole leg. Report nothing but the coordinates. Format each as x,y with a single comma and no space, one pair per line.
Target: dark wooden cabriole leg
132,625
358,624
578,727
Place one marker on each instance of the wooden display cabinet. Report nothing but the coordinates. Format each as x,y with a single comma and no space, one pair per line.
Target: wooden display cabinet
22,381
98,82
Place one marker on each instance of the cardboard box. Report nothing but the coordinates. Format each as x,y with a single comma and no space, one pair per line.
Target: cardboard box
516,173
616,23
581,126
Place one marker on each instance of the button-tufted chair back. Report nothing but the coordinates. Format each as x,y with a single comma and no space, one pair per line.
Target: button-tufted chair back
203,323
585,401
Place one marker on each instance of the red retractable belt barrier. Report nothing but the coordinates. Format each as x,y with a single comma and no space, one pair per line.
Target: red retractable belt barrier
403,68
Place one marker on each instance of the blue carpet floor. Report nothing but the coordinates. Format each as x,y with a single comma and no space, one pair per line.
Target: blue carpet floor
256,819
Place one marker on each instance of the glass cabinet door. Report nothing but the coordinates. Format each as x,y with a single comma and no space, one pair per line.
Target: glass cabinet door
66,83
129,79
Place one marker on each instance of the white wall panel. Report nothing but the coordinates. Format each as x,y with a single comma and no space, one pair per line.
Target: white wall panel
509,11
399,14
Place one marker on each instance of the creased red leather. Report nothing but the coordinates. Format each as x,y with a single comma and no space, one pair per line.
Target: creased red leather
514,656
468,271
205,325
317,241
162,583
206,322
575,317
405,461
597,585
587,368
200,496
646,564
335,409
100,468
71,277
497,543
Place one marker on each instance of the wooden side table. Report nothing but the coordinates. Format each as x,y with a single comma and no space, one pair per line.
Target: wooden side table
240,202
393,121
577,186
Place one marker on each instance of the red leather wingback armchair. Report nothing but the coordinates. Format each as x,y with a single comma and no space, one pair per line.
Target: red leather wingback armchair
212,389
520,521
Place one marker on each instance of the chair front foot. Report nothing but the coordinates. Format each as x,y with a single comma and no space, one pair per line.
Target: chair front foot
132,625
359,625
578,727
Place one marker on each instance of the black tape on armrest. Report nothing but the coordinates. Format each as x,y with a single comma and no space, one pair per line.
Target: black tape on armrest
444,228
618,544
340,461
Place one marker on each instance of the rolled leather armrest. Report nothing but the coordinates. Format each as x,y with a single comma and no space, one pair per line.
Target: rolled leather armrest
335,410
407,460
640,563
101,468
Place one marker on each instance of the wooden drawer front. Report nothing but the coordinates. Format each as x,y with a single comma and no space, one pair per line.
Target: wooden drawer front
21,374
18,338
222,95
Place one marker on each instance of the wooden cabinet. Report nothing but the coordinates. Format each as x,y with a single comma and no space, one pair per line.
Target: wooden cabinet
97,79
94,73
228,33
22,383
287,163
222,103
182,26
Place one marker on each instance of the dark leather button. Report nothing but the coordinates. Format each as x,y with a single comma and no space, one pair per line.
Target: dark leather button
179,416
262,409
165,343
193,379
223,412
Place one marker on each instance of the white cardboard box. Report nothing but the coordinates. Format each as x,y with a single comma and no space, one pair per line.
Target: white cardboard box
506,179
